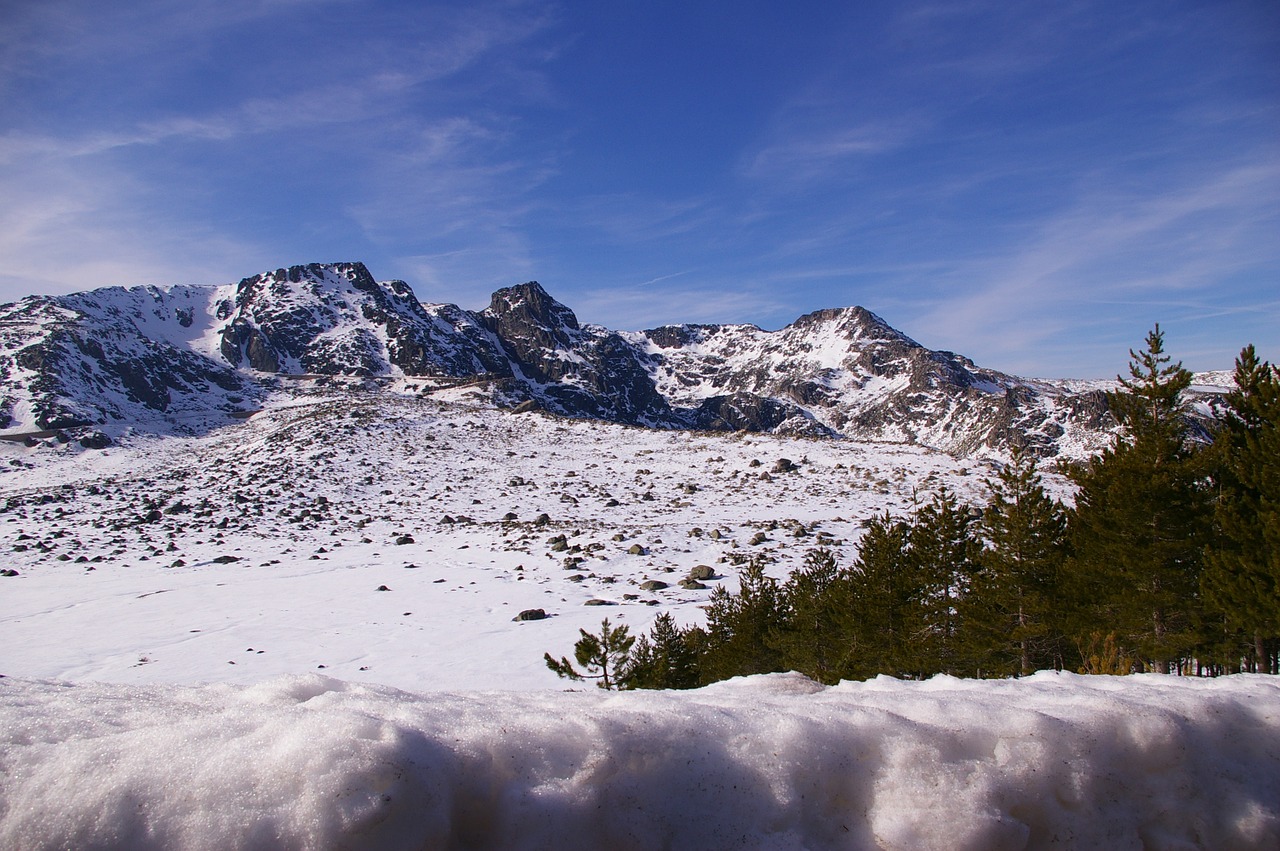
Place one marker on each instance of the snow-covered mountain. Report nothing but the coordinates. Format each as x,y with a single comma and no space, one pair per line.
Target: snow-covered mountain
182,358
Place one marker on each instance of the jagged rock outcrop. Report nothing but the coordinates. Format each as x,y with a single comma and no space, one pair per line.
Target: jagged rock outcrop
183,353
572,370
336,319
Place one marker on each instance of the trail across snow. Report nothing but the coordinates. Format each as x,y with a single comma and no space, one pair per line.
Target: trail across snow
1053,761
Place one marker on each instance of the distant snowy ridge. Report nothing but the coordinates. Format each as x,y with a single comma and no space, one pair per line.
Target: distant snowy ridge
1054,760
184,358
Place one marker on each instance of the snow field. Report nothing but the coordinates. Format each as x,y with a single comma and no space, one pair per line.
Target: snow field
1055,760
101,594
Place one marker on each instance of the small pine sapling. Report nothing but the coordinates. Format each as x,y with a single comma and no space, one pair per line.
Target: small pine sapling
601,656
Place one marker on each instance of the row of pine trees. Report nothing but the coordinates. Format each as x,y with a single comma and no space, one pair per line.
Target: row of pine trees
1169,561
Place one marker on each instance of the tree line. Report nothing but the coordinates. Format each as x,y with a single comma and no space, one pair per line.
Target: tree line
1168,561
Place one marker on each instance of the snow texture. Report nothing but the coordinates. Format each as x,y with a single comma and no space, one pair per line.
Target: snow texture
258,550
1056,760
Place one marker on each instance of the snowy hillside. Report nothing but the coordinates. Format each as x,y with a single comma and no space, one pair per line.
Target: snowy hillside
259,548
185,359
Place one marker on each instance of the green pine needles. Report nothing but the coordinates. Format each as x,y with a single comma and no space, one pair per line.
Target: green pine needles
602,656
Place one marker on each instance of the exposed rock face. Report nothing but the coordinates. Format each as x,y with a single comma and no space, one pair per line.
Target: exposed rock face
111,356
173,355
573,370
846,371
337,320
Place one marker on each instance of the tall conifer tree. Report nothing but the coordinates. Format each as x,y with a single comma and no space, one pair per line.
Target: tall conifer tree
1012,615
1139,521
1242,570
884,621
815,600
663,659
739,627
943,550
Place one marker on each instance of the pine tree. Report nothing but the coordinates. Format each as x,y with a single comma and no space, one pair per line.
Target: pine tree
884,620
1242,565
664,659
739,626
1010,613
943,551
1139,520
602,656
814,600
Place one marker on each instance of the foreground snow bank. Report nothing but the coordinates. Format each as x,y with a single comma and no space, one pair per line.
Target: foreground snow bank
775,761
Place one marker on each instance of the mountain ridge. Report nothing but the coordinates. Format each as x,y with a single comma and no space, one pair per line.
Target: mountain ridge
107,359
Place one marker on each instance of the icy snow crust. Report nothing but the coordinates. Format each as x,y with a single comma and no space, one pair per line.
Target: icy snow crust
1053,761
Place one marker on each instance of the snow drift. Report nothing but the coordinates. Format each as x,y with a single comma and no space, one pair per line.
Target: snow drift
773,761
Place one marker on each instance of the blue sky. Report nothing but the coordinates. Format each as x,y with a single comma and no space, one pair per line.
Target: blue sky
1032,185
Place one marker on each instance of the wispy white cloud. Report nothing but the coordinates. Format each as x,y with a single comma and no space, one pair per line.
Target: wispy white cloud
1111,256
71,228
633,218
381,123
796,153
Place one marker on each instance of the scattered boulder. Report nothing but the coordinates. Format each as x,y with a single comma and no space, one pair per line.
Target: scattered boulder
784,465
702,571
598,602
404,539
8,571
95,440
692,585
637,550
383,588
652,585
531,615
228,559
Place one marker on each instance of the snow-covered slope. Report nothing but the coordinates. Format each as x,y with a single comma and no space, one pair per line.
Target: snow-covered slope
337,320
323,627
276,533
188,357
848,372
137,357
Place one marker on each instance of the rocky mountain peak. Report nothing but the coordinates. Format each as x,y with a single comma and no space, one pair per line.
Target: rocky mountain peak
855,323
311,277
530,323
529,304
